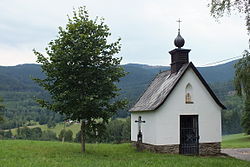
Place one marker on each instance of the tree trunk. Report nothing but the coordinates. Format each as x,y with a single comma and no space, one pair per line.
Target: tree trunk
83,135
63,133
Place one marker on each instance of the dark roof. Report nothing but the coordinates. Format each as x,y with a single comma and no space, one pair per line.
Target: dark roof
162,86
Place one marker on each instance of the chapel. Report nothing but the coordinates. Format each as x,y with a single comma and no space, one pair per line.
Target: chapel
181,113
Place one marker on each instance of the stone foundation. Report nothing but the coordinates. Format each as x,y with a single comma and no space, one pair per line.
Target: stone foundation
209,148
168,149
204,148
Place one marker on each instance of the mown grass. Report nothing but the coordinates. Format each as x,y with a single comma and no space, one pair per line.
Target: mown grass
236,141
21,153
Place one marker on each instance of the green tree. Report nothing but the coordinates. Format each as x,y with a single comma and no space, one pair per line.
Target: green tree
218,8
68,135
1,110
48,135
242,85
81,72
118,131
24,133
36,133
51,124
8,134
61,136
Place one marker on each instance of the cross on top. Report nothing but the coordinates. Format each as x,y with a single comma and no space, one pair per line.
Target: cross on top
179,21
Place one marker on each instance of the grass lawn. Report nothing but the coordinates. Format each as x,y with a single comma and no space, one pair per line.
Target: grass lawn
236,141
21,153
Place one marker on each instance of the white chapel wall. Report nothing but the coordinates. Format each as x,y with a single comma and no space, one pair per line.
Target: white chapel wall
148,128
167,117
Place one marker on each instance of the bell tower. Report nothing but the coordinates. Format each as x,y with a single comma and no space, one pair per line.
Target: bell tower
179,56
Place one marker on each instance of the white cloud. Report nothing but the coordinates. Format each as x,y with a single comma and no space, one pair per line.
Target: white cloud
11,56
147,28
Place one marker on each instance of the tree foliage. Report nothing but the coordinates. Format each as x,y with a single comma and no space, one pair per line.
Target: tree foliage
219,7
1,110
242,85
242,76
34,134
117,131
80,72
66,135
48,135
232,116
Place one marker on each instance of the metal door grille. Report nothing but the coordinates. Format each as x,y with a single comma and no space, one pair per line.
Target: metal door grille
189,136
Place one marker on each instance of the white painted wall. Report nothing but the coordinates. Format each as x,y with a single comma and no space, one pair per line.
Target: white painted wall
148,128
162,126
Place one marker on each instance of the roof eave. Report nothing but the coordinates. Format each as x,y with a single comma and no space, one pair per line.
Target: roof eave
201,79
132,111
203,82
207,86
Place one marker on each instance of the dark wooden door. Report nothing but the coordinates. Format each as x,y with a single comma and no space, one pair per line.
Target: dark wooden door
189,135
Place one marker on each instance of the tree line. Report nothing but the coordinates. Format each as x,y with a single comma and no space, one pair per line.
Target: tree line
117,131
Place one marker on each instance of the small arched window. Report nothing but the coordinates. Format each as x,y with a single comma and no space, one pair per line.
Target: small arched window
189,94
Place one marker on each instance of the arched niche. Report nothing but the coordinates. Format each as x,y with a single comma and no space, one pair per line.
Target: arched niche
189,94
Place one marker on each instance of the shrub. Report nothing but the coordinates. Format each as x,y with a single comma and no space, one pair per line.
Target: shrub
66,135
48,135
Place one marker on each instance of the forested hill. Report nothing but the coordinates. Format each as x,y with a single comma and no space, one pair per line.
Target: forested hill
212,74
18,89
18,78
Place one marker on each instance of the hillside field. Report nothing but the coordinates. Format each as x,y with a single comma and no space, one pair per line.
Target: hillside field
21,153
75,128
236,141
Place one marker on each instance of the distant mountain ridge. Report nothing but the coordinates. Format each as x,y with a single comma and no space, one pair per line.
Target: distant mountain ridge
18,78
18,89
212,74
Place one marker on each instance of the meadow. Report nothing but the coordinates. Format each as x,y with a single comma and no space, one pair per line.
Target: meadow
74,127
25,153
236,141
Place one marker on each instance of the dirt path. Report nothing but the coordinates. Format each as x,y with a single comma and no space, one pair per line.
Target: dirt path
239,153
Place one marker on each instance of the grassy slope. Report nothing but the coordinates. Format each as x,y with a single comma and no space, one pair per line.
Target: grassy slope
74,127
18,153
236,141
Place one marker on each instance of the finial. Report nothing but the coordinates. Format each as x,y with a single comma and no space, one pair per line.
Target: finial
179,41
179,21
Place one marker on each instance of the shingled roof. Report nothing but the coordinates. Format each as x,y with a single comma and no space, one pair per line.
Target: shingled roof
161,87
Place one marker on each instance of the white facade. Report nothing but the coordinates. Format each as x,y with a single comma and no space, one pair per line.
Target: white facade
162,126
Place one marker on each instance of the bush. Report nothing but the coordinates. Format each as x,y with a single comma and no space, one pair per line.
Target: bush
7,134
51,124
66,135
24,133
48,135
36,133
117,131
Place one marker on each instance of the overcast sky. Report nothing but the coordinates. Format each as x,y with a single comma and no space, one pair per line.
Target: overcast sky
147,29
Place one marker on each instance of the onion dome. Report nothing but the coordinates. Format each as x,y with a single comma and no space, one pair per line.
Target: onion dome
179,41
